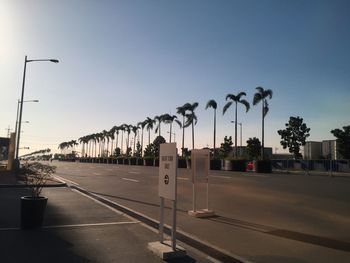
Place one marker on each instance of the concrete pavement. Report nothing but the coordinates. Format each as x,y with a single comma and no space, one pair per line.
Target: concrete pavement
76,229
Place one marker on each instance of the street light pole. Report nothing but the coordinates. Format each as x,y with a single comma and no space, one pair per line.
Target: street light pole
21,102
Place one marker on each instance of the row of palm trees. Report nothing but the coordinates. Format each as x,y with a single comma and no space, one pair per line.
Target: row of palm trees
189,118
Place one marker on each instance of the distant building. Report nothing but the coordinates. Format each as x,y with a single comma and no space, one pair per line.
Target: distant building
4,147
313,150
330,151
326,149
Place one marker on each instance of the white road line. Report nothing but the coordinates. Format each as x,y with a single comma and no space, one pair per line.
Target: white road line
78,225
132,180
64,180
94,224
96,174
134,172
183,178
218,176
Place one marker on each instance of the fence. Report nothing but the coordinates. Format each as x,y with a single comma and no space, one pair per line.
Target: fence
313,165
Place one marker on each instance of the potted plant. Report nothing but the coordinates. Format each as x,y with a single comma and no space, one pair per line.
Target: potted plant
238,165
215,164
33,206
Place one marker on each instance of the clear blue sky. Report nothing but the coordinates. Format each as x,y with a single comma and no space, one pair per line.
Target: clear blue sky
123,61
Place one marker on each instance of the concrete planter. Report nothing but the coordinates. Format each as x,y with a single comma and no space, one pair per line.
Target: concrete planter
32,211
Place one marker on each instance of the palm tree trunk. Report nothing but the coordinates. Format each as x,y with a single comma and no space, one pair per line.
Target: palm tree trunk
262,126
214,131
170,133
116,143
122,143
192,136
112,146
134,144
183,135
141,142
149,136
236,149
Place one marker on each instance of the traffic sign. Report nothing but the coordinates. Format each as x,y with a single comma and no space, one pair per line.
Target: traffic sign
167,170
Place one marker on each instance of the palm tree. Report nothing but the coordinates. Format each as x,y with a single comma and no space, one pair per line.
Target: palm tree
182,111
214,105
134,130
262,95
142,124
191,119
167,118
122,128
128,130
149,126
111,135
160,119
117,129
236,99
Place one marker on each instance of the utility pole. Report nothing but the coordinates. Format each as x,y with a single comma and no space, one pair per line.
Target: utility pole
8,131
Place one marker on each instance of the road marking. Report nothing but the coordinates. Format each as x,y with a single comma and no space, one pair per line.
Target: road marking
96,174
134,172
183,178
78,225
218,176
94,224
132,180
64,180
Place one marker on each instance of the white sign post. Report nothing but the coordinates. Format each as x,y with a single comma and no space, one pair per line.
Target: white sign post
200,162
167,188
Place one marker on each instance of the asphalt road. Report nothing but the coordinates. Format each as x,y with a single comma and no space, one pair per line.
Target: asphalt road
259,217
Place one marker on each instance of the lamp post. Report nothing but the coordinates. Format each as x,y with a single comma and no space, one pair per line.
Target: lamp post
172,133
240,124
21,102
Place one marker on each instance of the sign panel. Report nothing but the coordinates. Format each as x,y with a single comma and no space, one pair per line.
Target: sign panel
200,164
167,171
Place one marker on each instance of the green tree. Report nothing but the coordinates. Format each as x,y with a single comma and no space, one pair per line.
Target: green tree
236,99
294,135
343,141
253,148
156,145
261,96
226,147
214,105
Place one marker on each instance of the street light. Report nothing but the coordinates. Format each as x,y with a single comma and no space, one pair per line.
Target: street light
240,124
172,133
21,102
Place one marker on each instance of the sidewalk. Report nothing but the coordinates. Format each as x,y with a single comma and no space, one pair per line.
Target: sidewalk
76,229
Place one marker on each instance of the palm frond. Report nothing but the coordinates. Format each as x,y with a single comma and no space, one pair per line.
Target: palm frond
266,108
228,104
260,90
268,93
246,104
257,98
179,123
239,95
211,104
231,97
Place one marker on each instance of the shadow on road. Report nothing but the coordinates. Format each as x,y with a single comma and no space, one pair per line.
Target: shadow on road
138,201
293,235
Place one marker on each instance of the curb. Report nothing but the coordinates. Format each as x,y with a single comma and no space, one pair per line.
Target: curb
29,186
